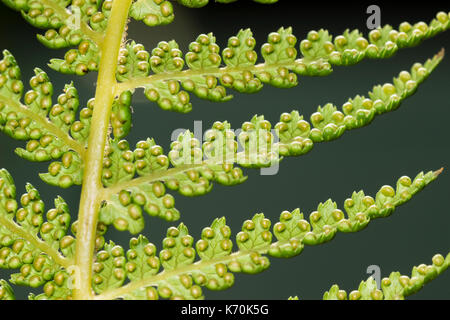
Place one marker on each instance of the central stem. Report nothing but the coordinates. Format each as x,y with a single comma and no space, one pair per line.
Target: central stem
92,189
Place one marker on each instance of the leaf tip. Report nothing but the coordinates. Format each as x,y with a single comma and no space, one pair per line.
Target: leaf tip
438,172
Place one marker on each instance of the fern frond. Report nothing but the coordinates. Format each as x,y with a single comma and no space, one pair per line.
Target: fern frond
208,78
183,277
123,209
78,61
133,62
38,248
196,167
69,23
297,136
51,129
111,265
396,286
121,115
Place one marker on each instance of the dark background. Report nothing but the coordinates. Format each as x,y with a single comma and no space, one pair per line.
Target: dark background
404,142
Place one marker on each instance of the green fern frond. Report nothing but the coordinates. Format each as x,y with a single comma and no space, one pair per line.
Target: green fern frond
196,167
42,251
51,130
38,248
58,289
396,287
120,183
121,115
183,277
297,136
78,61
208,78
133,62
82,25
123,209
109,270
41,14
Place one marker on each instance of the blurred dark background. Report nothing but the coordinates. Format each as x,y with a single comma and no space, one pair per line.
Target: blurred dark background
404,142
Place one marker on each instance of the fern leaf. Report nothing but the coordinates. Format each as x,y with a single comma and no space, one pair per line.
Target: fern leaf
123,209
118,163
141,259
133,62
297,136
152,12
66,173
190,176
196,167
82,24
142,263
396,286
109,270
78,61
209,73
64,280
41,14
121,115
46,126
183,277
38,248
